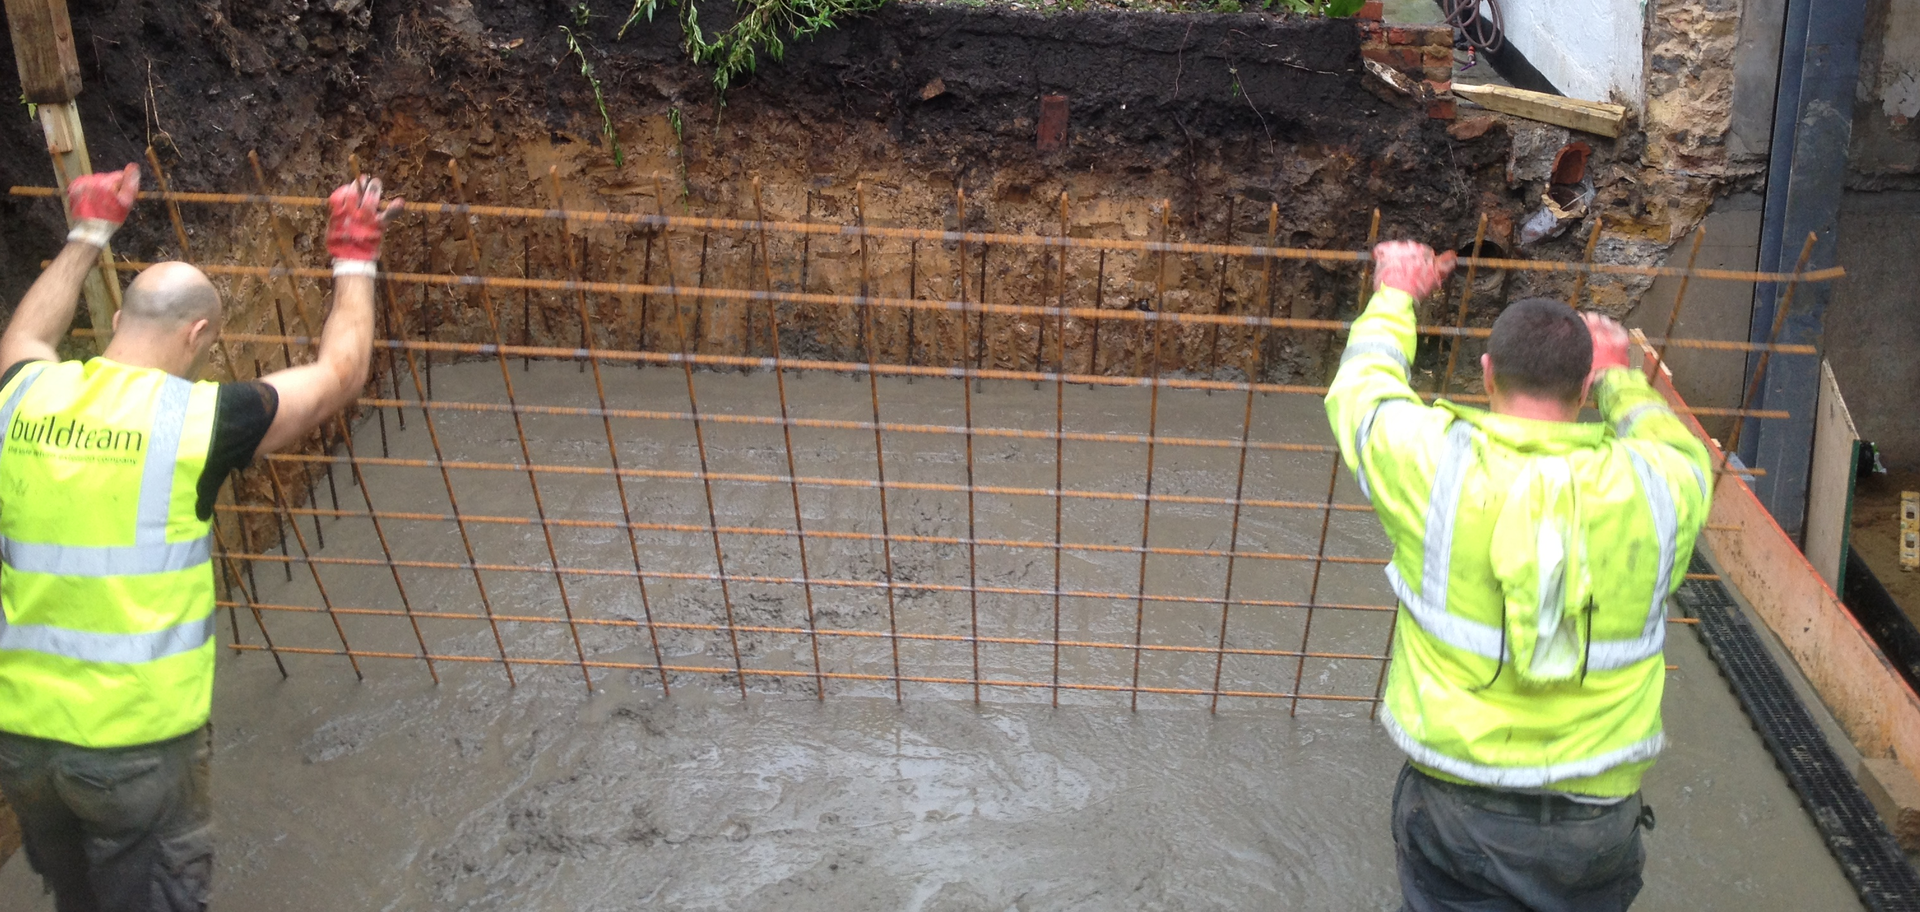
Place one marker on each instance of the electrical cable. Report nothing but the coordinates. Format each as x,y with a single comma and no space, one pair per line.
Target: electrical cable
1484,33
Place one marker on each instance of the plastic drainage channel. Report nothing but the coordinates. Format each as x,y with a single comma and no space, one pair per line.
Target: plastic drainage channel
1852,828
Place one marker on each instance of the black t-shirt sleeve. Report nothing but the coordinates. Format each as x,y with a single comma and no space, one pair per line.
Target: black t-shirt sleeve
14,369
241,416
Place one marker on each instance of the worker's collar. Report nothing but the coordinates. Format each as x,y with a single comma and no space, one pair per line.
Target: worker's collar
1529,435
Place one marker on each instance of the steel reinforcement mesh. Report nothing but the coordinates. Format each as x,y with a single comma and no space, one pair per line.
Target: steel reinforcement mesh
1055,489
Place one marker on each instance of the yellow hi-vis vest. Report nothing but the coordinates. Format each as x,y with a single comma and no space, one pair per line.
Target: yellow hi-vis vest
1532,560
106,580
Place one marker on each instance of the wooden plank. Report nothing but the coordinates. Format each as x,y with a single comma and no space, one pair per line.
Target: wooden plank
67,144
1591,116
1873,704
43,47
1836,450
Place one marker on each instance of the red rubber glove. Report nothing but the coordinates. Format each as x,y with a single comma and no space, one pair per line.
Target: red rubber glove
358,220
1411,267
1609,344
100,203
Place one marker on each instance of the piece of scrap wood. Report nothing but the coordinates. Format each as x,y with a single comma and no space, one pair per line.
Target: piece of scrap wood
1591,116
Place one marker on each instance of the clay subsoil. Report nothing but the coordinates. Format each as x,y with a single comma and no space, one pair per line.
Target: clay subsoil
1228,118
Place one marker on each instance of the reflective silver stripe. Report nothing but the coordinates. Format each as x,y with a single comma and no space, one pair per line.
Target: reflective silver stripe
1429,605
1611,654
1386,347
156,476
104,560
1520,776
13,401
1625,425
1461,633
118,648
1360,438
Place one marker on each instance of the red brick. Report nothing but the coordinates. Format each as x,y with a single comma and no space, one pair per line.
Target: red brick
1438,73
1373,9
1406,60
1440,86
1399,35
1438,56
1053,123
1437,36
1440,109
1371,32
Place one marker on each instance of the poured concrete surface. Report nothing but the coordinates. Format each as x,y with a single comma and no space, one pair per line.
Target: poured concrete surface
394,793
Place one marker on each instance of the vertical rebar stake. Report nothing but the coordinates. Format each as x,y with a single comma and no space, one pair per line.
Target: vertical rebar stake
286,510
519,426
446,478
1220,297
1240,476
879,450
1580,278
786,434
1466,301
1679,297
1760,369
246,593
1059,437
966,393
1153,427
700,441
613,449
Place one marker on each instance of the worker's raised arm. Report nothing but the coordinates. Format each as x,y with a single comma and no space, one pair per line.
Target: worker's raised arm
1641,416
312,393
100,203
1380,347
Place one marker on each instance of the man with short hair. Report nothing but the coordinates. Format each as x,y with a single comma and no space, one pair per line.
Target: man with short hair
1533,557
108,476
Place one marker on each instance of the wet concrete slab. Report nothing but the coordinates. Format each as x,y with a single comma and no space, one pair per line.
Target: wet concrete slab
396,793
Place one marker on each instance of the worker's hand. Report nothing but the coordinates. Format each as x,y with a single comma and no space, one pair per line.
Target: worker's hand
1609,343
358,220
100,203
1411,267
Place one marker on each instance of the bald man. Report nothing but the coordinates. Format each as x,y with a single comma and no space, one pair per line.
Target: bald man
108,477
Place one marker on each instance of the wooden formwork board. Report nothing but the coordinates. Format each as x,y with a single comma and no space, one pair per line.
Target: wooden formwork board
1868,697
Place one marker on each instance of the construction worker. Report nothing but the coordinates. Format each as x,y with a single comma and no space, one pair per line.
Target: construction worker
107,481
1533,557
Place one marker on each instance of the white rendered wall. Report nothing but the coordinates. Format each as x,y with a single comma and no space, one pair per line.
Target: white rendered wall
1589,49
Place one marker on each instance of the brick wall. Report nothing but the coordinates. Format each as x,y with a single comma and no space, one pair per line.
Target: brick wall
1424,53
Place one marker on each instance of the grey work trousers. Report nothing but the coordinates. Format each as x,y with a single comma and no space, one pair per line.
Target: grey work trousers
115,829
1465,848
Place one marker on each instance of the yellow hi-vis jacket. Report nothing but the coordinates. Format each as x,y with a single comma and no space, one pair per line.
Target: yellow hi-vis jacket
1533,561
106,588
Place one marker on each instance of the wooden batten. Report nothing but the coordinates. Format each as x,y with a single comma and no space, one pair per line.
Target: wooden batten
1590,116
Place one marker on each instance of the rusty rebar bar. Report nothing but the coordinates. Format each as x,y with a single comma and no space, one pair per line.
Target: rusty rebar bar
1679,297
613,450
1059,440
974,237
1153,426
519,427
879,447
786,431
1466,301
700,445
1773,336
446,479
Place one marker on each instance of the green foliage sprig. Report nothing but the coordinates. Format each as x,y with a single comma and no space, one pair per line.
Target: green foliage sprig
764,26
599,100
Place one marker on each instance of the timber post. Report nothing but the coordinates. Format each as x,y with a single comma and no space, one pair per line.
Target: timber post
50,78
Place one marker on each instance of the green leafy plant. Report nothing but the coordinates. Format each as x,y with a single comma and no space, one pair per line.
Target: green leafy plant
1331,8
764,26
599,99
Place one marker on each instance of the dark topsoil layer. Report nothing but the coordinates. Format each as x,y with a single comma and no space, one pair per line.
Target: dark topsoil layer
306,82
